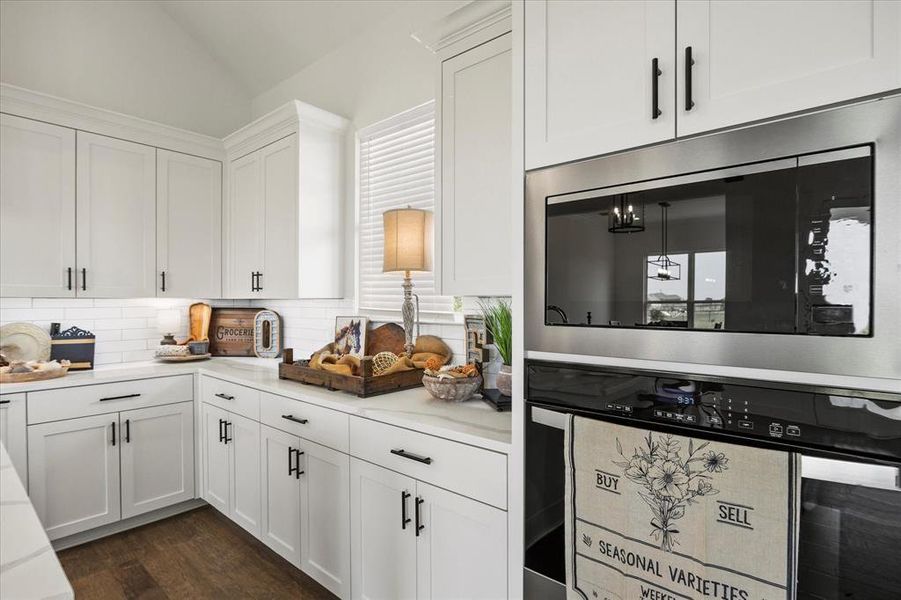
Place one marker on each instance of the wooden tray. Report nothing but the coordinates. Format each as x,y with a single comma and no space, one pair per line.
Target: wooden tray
365,386
187,358
33,376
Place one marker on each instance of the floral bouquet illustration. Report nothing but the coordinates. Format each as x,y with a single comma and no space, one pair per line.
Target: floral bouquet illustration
670,483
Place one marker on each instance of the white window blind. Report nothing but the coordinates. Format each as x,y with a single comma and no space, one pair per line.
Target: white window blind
397,169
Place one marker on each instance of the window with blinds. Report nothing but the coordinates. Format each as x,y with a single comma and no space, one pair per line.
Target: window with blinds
397,169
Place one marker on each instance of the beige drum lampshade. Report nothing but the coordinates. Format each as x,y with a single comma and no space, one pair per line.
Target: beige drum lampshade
408,240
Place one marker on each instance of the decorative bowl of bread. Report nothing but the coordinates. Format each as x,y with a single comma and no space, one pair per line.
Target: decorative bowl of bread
452,384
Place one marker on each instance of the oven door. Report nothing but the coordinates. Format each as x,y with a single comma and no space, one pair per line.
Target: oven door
849,534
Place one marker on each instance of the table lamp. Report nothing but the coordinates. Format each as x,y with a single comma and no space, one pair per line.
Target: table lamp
408,247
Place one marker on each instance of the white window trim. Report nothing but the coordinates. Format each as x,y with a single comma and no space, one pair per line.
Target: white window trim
394,315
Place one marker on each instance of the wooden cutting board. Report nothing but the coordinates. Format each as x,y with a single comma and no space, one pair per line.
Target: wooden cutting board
231,331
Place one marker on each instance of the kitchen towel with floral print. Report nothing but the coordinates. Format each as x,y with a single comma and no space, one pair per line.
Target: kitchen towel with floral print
657,516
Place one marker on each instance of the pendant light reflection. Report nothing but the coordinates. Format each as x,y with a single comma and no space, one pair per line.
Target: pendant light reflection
625,216
663,268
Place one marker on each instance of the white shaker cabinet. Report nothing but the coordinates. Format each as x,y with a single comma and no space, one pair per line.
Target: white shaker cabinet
590,79
189,226
73,473
755,60
37,202
157,457
13,434
324,516
216,479
280,487
383,540
116,218
459,535
283,211
476,153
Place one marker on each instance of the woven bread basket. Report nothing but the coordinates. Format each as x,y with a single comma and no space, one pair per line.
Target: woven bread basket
458,389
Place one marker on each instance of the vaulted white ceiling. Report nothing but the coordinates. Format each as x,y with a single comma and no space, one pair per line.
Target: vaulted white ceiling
263,42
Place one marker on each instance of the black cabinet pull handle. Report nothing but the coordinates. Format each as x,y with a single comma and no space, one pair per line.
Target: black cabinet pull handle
419,525
655,89
404,519
296,419
5,401
291,466
253,281
221,434
689,62
84,279
225,396
259,281
127,431
164,281
119,397
403,453
69,278
227,438
114,433
297,471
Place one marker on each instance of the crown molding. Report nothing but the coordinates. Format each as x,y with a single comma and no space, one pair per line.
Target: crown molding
76,115
467,26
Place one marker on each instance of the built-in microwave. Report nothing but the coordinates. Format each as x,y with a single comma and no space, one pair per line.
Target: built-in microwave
680,252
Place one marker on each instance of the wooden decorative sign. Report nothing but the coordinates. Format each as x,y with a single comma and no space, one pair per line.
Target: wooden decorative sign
232,331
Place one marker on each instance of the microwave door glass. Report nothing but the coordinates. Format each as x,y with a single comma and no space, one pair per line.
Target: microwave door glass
781,247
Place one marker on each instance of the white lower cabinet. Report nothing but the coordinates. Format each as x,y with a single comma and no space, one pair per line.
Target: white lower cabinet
13,434
280,492
215,458
73,473
414,540
157,457
383,540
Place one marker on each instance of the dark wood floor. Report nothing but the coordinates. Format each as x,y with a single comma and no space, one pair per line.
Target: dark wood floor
198,554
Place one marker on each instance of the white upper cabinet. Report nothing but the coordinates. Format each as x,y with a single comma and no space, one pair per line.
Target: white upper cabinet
590,80
37,209
476,154
283,212
755,60
189,226
116,218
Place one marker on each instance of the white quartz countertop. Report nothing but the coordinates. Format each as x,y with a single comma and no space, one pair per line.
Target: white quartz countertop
28,565
473,422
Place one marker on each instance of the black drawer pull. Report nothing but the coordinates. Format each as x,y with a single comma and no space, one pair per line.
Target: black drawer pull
419,525
119,397
689,61
296,419
114,433
225,396
69,276
84,279
127,431
403,453
655,89
404,519
5,401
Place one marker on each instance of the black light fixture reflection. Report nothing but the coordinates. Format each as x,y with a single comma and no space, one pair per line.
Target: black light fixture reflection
626,217
663,268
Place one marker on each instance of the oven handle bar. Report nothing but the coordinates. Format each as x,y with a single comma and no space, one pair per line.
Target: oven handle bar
883,477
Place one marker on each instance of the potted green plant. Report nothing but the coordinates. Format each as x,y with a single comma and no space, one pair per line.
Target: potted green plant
499,323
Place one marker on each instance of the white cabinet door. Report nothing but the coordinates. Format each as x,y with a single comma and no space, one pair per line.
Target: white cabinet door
189,226
754,60
242,436
157,457
244,226
325,516
589,81
13,433
73,473
116,218
459,535
476,157
216,471
383,544
37,209
280,204
280,487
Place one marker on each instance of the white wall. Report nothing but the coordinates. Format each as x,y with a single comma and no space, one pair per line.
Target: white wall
130,57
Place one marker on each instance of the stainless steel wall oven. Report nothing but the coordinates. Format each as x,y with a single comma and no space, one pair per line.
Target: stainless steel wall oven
790,231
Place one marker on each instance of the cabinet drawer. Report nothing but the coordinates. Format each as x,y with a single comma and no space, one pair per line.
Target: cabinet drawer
82,401
323,425
467,470
232,397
